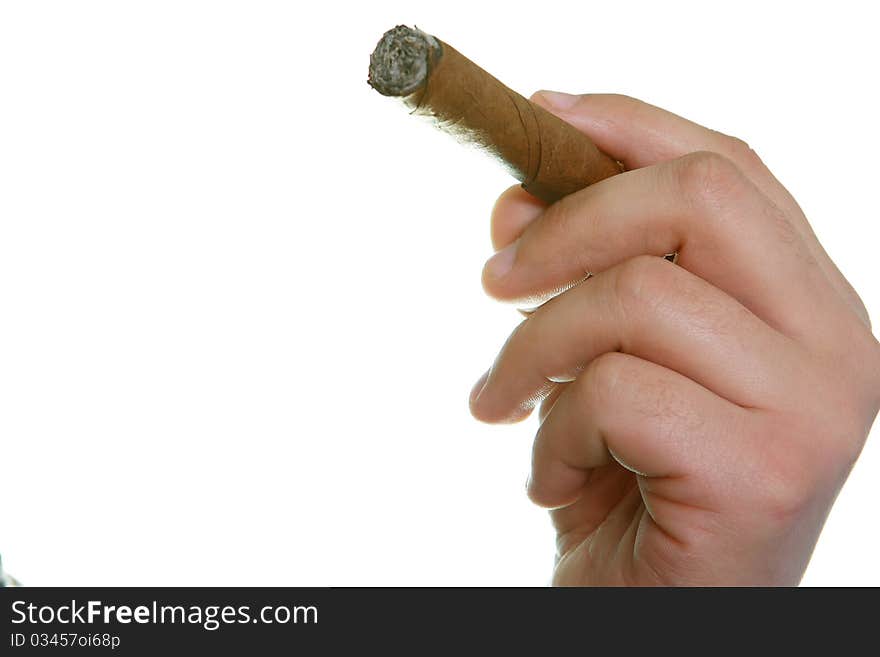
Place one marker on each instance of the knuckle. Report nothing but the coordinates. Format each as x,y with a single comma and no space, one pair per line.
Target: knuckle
707,178
843,434
868,367
851,443
641,281
540,490
798,462
602,377
855,363
874,370
839,426
805,453
787,497
787,482
537,496
739,150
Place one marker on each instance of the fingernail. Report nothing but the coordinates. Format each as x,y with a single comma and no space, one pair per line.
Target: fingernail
477,390
558,100
500,264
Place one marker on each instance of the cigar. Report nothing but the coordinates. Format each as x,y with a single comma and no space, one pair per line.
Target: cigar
548,156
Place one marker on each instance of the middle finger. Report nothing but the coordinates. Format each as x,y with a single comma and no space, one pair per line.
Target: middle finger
649,308
723,227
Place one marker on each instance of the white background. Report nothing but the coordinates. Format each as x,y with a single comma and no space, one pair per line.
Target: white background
240,309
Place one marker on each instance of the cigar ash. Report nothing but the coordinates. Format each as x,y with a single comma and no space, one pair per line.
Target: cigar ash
400,63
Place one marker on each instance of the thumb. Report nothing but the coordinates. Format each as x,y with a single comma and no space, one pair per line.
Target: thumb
611,121
632,131
626,129
639,135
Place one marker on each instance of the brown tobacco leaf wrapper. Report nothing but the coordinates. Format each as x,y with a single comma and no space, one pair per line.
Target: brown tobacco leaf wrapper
551,158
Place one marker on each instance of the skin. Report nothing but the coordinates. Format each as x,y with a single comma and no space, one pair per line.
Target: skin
697,419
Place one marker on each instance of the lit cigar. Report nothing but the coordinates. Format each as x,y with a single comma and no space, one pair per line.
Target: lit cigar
548,156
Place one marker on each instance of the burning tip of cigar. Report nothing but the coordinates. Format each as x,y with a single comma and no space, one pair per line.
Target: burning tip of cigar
431,78
400,63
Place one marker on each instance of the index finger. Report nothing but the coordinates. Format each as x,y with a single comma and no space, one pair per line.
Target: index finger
639,134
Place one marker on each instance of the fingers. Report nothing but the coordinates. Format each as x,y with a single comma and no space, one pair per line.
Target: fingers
649,308
725,230
653,421
640,135
514,210
605,486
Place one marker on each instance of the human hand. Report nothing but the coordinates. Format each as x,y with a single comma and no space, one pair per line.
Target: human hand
698,420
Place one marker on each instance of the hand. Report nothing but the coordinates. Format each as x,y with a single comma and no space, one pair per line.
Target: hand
698,419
